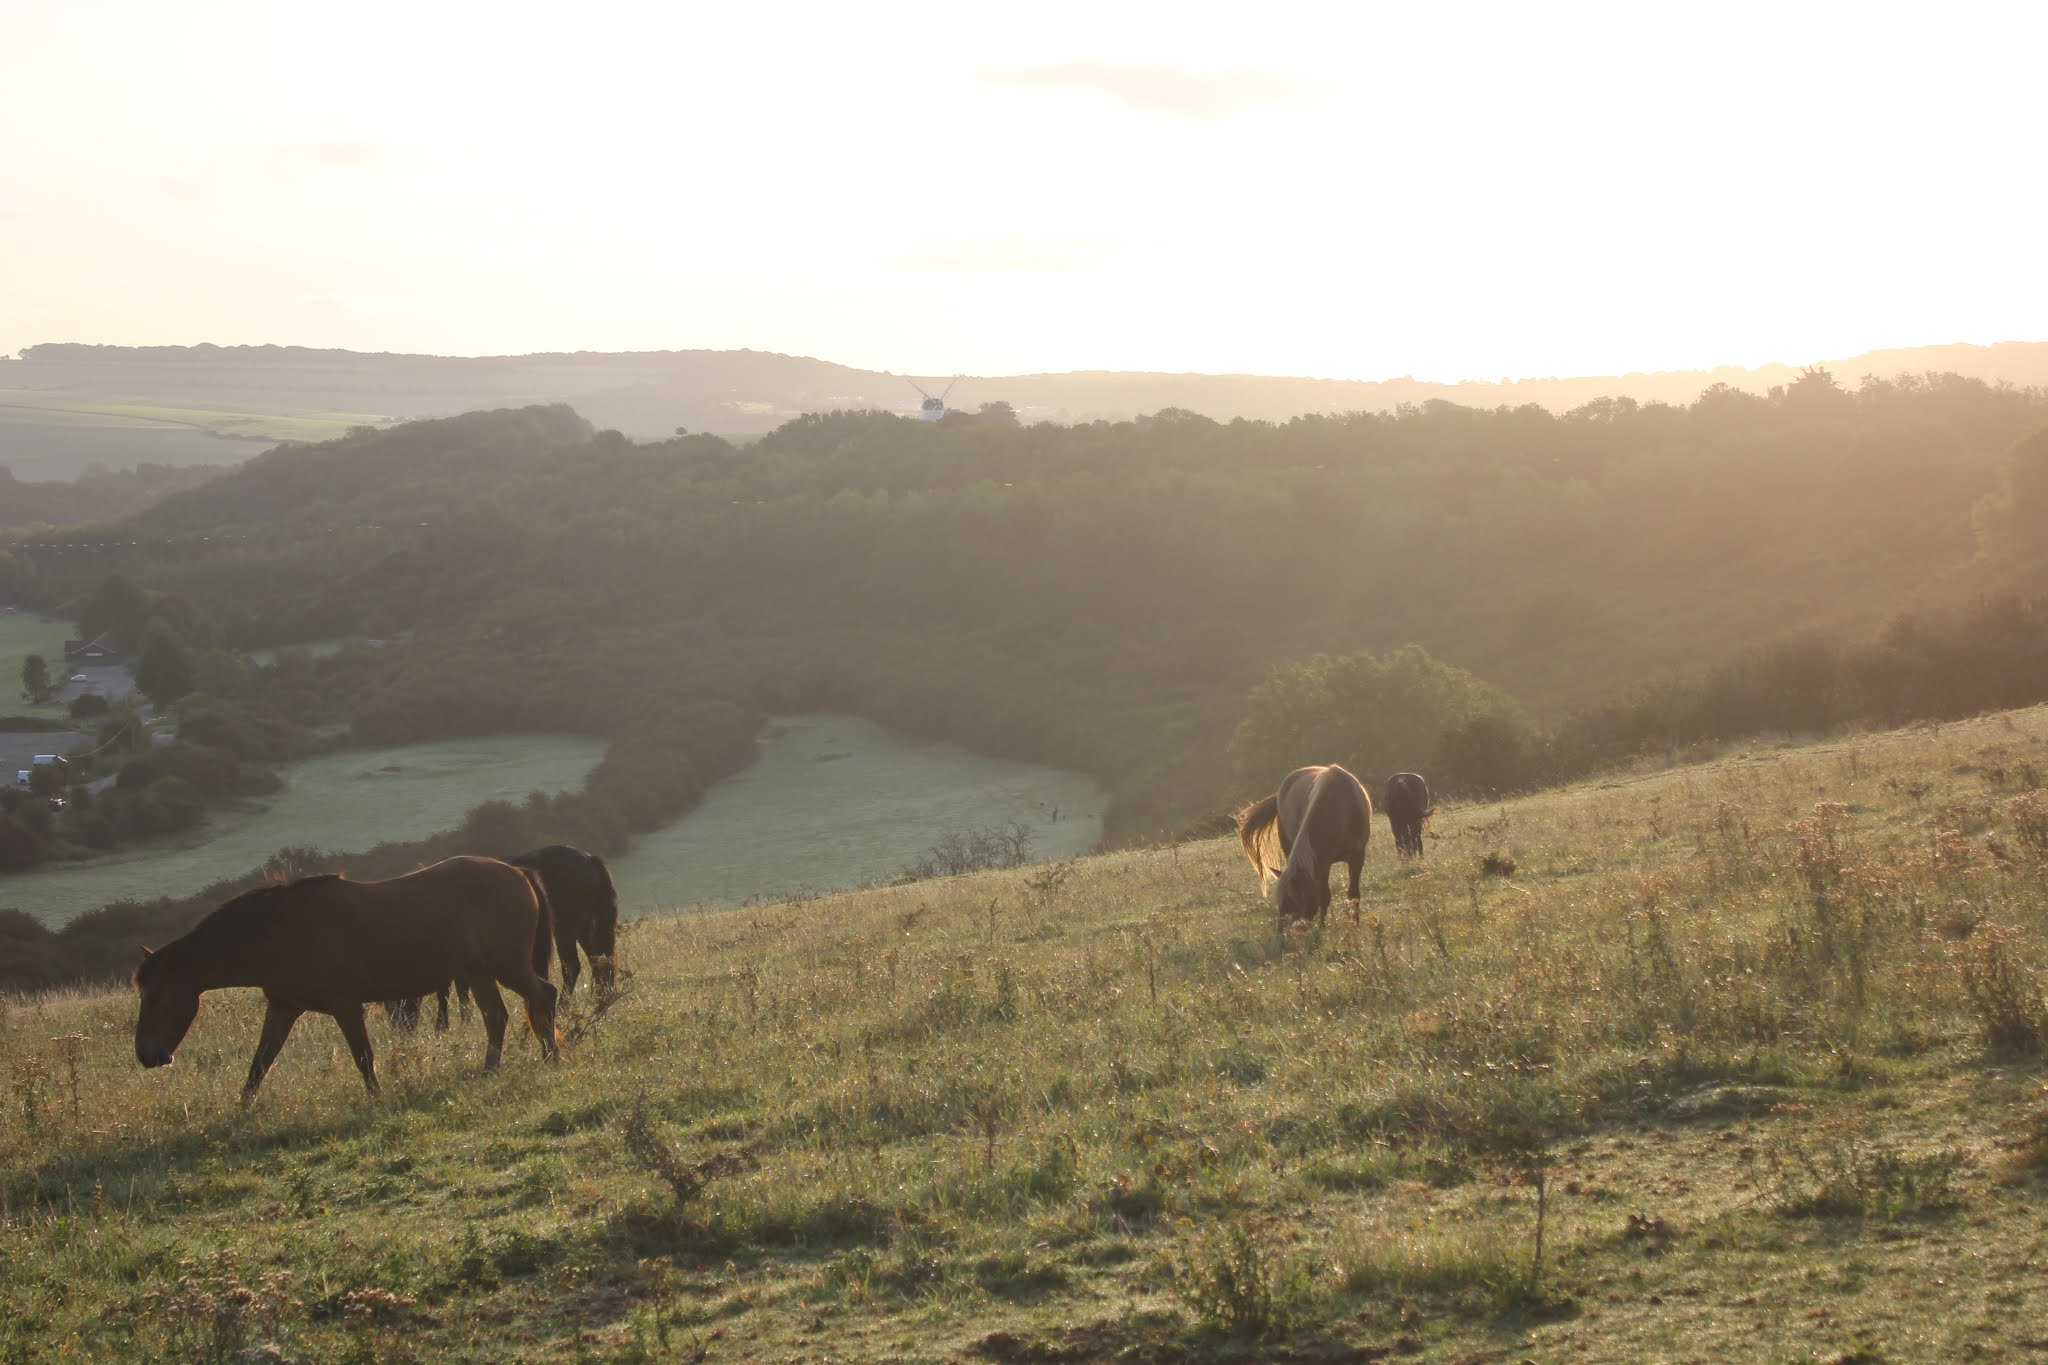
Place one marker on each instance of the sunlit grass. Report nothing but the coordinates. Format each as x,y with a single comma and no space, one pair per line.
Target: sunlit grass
1735,1038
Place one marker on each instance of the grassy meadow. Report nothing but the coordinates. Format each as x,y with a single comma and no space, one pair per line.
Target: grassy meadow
340,802
21,635
837,801
1733,1061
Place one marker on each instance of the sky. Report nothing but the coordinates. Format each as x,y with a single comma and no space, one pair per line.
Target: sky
1355,191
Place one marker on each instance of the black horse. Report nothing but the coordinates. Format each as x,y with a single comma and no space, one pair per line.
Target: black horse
586,910
586,914
1406,802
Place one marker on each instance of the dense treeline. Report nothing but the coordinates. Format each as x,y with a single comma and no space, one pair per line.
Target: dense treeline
99,495
1989,656
1100,596
1409,711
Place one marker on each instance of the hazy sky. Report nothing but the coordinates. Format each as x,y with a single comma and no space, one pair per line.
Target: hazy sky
1356,190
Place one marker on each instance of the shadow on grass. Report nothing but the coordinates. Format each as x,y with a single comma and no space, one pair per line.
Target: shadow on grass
169,1164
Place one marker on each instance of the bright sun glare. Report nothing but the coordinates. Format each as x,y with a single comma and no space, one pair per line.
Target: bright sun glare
1449,191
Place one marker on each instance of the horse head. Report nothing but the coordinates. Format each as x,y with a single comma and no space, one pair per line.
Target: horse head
169,1005
1296,896
603,947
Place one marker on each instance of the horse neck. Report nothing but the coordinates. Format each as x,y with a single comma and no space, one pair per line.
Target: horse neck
226,954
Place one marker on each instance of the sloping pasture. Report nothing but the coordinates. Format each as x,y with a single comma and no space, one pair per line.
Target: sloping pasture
1737,1061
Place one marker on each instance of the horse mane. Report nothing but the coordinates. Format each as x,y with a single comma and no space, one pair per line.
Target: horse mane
230,915
249,899
1258,829
238,909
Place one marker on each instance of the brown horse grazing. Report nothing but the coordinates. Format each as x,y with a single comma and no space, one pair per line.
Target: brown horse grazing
1406,802
1319,817
586,908
326,945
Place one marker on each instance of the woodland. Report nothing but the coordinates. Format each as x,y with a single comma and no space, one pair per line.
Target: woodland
1183,608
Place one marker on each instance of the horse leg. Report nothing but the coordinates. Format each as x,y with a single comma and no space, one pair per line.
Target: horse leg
492,1006
565,949
277,1026
1354,866
350,1017
441,1009
462,996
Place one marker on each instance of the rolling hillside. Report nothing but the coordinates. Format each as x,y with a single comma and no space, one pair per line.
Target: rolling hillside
1739,1060
649,394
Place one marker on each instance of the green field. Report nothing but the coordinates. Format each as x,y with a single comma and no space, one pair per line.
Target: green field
20,636
341,802
1740,1061
835,802
47,435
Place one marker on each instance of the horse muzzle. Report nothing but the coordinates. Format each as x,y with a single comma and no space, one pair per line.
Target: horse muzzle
152,1053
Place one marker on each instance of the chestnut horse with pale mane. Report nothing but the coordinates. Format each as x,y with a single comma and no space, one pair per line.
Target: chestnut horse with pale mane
1320,816
327,945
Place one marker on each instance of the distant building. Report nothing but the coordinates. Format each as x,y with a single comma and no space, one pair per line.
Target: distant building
94,651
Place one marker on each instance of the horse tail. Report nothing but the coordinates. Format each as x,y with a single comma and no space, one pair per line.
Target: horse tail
543,923
1258,829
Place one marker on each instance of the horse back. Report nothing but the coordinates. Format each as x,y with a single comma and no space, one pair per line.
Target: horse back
1407,796
1330,804
578,883
401,936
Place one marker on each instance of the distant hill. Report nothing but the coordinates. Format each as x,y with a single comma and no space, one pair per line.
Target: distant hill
651,393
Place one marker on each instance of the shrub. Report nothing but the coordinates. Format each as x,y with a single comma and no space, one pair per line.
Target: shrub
974,850
2004,992
167,806
21,848
1237,1284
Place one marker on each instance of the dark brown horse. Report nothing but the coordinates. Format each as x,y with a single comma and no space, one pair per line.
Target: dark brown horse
1320,816
326,945
1406,802
586,908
